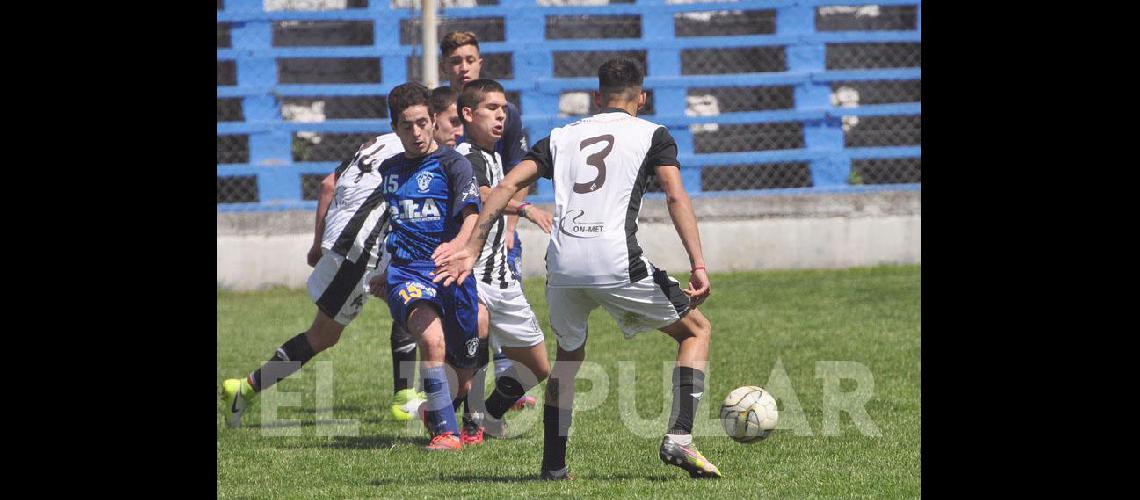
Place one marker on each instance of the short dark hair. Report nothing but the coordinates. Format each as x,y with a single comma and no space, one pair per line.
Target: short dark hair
473,92
456,39
620,76
441,99
405,96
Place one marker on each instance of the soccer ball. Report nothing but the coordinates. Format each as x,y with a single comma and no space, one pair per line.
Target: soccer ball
748,414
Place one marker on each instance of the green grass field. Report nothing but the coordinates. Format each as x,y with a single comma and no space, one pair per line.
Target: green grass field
771,324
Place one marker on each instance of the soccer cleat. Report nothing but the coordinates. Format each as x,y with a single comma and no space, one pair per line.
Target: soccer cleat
445,442
236,393
687,458
471,433
524,402
562,474
404,404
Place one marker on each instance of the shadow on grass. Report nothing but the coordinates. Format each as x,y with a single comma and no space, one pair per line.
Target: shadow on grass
534,478
282,424
358,442
337,410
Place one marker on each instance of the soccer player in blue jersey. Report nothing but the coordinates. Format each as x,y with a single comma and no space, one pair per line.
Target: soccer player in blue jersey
433,200
448,130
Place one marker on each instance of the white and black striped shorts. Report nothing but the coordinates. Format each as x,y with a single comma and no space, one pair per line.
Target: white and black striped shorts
338,287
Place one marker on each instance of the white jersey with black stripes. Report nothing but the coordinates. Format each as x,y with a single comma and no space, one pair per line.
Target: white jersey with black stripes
491,267
600,167
354,184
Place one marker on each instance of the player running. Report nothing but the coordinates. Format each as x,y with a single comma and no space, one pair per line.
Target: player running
433,201
600,167
337,284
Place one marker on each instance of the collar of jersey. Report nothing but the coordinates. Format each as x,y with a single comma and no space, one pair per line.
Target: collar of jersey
418,162
613,110
480,148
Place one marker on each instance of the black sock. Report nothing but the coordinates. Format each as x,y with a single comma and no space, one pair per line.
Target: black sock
295,350
556,427
688,387
403,358
507,390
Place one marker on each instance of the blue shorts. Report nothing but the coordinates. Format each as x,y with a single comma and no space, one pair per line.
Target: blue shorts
457,306
514,258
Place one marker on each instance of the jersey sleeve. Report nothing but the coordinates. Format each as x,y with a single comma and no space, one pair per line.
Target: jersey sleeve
479,166
540,154
662,150
464,187
344,166
513,141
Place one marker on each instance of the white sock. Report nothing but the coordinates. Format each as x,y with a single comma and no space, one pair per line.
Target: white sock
681,439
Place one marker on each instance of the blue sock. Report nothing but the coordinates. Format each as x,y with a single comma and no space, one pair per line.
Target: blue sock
439,413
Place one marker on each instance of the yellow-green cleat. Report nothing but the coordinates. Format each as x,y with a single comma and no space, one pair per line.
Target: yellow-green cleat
688,458
236,393
405,403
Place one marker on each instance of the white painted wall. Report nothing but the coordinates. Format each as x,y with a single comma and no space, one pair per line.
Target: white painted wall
260,250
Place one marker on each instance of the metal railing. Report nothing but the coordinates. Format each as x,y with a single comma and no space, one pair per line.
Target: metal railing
761,96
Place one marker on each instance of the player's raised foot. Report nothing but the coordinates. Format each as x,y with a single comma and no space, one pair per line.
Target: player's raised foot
688,458
524,402
445,442
562,474
236,393
471,432
404,404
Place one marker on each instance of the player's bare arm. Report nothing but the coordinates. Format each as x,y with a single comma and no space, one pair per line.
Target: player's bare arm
455,266
470,216
324,199
685,221
513,220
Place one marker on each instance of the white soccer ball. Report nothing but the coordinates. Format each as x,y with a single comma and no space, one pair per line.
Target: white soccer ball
748,414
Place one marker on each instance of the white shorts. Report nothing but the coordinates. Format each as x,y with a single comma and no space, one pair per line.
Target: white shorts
654,302
339,288
513,323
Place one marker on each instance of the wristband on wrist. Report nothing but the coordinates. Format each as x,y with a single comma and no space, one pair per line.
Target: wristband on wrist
522,208
698,267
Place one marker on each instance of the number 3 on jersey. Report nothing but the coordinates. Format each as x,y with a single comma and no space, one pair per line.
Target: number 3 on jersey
596,160
411,292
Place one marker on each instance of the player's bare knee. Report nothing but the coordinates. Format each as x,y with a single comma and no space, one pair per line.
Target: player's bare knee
700,327
432,345
541,372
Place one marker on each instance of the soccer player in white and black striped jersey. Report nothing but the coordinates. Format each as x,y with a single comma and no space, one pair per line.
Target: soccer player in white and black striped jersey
461,62
338,283
504,312
600,167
